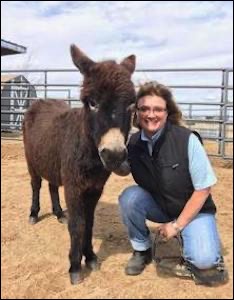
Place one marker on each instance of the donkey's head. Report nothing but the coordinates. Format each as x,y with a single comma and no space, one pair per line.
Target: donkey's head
108,95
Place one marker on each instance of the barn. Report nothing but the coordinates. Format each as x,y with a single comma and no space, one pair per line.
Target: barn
15,93
12,92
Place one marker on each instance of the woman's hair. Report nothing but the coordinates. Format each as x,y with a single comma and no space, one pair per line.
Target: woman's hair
157,89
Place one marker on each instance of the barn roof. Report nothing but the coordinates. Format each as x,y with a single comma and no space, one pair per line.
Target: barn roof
7,78
8,48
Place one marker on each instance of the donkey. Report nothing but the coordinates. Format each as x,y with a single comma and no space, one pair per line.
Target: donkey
80,147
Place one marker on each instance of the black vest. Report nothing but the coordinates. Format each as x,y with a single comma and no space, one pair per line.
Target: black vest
165,174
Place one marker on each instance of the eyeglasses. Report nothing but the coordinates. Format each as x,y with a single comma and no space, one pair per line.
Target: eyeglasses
145,110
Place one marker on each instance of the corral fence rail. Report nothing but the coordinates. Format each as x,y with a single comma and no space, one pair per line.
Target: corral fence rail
211,117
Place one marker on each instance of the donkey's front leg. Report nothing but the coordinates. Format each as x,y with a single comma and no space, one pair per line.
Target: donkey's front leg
76,227
91,198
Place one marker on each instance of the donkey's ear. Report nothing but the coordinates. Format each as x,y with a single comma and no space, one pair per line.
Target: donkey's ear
129,63
82,61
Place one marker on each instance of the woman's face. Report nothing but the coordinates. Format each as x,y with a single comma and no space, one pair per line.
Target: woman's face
151,113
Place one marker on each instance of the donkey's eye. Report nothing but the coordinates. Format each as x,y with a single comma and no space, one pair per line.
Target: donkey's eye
93,105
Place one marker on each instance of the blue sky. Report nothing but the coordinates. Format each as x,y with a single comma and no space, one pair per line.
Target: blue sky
160,33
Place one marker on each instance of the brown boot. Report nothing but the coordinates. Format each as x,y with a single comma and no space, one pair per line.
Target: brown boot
138,261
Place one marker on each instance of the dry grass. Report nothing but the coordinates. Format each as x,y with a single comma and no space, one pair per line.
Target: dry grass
35,258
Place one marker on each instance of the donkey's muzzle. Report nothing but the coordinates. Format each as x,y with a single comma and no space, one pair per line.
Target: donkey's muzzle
112,159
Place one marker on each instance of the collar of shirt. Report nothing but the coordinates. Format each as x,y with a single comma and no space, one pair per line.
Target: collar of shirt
151,141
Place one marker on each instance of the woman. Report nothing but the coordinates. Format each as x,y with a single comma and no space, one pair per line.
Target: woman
174,179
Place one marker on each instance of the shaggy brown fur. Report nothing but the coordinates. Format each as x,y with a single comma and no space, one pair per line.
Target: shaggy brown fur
79,147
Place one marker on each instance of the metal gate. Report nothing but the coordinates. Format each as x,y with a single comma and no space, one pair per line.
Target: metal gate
207,107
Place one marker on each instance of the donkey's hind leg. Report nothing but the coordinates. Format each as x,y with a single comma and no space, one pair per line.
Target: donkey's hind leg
57,210
35,208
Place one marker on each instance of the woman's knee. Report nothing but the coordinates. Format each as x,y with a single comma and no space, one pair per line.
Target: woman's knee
201,242
204,261
130,197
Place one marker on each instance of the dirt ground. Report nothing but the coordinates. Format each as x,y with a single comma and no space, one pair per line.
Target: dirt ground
35,258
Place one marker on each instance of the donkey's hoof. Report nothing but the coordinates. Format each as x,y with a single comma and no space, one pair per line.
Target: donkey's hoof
33,220
93,265
63,220
76,278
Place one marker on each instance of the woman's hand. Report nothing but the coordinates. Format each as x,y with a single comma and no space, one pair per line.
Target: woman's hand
167,231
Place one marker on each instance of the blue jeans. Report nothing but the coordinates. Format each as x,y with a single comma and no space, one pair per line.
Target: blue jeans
201,243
